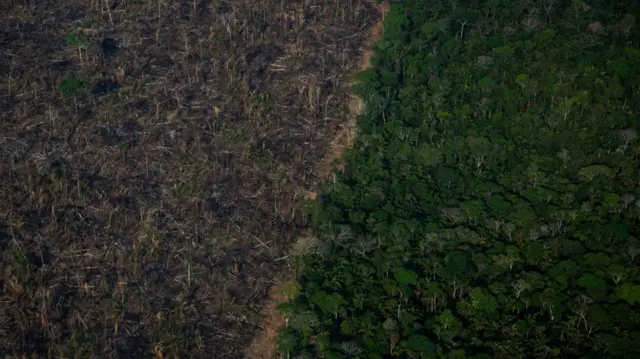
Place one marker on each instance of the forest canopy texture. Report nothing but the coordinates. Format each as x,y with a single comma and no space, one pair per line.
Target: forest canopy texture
491,204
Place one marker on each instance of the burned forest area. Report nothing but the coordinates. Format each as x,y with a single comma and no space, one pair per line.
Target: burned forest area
154,156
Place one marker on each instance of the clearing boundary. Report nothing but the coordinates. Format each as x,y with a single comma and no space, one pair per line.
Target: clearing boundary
264,344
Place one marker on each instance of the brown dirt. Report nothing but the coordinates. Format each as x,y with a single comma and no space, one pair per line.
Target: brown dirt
149,215
264,344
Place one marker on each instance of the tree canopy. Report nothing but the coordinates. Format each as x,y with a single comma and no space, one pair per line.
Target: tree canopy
491,205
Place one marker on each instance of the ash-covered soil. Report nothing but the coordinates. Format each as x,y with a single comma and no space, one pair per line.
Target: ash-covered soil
153,158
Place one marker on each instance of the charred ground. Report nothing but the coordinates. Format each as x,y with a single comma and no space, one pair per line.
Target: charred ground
148,211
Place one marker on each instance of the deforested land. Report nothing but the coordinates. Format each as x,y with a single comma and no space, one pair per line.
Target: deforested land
154,156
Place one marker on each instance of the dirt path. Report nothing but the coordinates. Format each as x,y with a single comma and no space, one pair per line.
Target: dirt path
264,344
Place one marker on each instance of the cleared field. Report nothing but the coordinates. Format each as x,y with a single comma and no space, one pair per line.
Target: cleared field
153,156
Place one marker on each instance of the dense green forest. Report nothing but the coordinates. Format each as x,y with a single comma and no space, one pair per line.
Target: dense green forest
491,204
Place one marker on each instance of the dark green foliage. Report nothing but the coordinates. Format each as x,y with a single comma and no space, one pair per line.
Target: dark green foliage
491,205
69,86
76,39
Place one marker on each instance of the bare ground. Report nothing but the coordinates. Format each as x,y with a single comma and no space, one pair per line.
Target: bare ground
149,215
